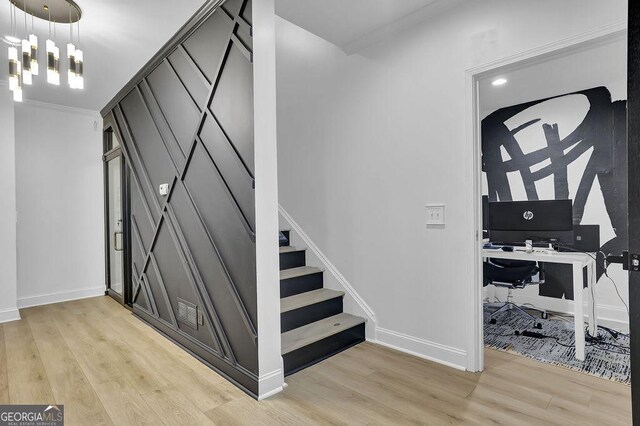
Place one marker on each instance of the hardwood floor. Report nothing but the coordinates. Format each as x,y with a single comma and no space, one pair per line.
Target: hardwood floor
107,367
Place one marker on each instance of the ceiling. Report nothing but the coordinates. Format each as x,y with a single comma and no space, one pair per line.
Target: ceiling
345,22
603,64
117,36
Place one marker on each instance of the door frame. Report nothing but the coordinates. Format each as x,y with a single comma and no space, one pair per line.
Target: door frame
126,298
633,191
473,305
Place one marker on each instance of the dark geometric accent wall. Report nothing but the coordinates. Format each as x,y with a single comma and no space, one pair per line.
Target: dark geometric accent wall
188,122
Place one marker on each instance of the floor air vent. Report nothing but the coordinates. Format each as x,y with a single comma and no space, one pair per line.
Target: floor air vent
187,313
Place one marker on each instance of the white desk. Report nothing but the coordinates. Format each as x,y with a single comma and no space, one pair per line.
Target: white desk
578,261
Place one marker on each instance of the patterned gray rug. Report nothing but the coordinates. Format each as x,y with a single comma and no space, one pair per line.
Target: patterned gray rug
608,358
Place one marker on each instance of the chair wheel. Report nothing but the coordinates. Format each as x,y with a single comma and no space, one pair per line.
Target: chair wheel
544,315
538,325
492,321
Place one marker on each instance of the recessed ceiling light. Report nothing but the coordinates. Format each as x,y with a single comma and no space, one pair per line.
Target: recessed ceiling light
11,40
499,81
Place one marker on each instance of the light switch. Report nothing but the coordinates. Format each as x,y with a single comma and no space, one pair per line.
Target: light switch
164,189
435,214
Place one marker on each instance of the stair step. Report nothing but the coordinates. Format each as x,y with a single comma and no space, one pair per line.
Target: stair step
289,249
312,343
287,238
309,298
301,271
316,331
291,257
300,280
311,306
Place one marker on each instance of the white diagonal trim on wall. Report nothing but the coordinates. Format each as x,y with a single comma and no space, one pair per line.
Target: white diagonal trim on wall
331,268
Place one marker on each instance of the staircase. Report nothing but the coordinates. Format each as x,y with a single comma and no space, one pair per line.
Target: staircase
313,325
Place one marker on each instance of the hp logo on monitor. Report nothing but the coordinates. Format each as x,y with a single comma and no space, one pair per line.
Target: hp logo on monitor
528,215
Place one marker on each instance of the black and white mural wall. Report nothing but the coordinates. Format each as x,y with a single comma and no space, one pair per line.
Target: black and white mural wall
566,147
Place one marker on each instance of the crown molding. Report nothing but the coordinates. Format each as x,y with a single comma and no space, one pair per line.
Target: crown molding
57,107
62,108
423,14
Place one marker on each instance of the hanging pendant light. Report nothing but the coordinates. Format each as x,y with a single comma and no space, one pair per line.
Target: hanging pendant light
71,56
26,52
15,78
33,40
71,73
26,62
14,68
79,68
53,63
23,51
53,57
12,54
15,65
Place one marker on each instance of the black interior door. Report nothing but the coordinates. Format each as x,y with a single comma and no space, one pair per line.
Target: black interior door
116,221
633,148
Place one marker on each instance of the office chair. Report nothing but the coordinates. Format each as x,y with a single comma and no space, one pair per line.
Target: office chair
513,274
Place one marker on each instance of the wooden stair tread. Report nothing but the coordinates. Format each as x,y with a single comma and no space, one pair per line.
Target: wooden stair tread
311,333
289,249
308,298
298,272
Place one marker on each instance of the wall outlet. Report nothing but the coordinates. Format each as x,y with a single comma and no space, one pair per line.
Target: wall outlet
164,189
435,214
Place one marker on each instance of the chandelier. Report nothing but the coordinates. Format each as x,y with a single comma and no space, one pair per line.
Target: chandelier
23,51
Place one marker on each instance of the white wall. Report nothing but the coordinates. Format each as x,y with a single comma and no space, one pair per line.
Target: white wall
365,141
60,240
8,265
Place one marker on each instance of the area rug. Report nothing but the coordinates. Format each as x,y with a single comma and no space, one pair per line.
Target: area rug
607,358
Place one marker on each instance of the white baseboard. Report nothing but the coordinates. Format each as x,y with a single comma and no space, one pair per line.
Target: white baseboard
11,314
65,296
442,354
431,351
270,384
359,305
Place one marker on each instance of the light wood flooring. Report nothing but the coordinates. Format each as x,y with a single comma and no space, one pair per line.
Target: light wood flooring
107,367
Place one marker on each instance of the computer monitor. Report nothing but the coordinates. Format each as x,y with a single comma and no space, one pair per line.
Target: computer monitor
548,221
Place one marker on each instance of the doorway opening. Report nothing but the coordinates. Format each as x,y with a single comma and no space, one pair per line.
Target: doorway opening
116,201
550,125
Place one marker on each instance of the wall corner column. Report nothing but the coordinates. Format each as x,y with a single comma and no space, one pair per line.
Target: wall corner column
270,366
8,210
